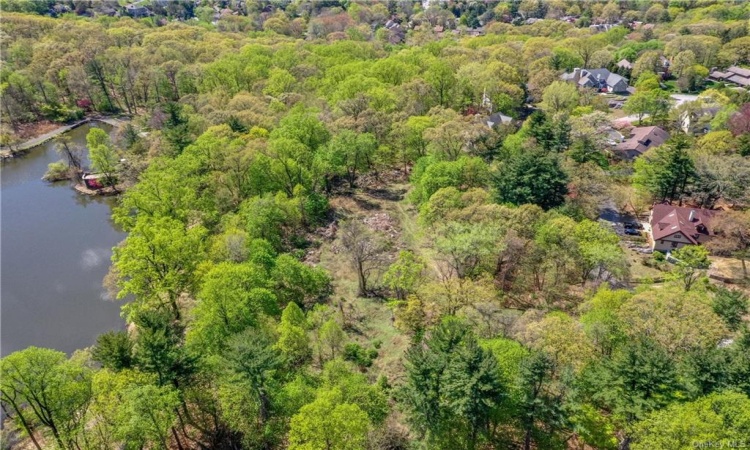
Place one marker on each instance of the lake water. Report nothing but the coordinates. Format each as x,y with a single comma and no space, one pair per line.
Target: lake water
55,249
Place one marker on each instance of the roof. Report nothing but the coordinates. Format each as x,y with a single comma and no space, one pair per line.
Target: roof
742,81
625,64
498,118
739,71
596,78
643,138
718,74
733,74
667,220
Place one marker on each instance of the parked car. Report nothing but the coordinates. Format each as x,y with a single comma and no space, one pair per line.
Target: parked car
632,232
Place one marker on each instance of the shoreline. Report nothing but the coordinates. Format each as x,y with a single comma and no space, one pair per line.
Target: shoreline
103,192
7,153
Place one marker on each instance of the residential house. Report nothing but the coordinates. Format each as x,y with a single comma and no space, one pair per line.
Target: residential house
673,227
600,79
602,27
734,75
624,64
640,140
698,120
475,32
498,119
137,10
396,33
665,64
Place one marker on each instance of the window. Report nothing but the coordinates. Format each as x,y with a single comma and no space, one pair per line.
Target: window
674,244
678,235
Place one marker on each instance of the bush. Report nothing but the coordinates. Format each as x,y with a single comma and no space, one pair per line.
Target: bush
58,113
57,171
316,207
360,356
730,305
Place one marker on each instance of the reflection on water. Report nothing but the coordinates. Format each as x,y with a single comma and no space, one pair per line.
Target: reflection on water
55,248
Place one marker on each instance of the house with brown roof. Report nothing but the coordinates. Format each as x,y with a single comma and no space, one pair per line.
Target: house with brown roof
640,140
735,75
673,227
624,64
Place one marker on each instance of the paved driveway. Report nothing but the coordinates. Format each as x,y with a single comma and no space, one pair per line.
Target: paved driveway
682,98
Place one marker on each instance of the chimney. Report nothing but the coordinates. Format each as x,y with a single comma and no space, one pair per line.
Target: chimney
692,217
576,74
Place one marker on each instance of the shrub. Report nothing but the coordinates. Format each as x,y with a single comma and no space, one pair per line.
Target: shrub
57,171
360,356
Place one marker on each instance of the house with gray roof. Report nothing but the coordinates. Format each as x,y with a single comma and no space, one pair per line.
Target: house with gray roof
600,79
735,75
137,10
498,119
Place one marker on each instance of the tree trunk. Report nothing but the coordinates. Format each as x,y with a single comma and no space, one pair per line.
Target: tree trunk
24,423
361,280
744,267
177,439
13,122
527,440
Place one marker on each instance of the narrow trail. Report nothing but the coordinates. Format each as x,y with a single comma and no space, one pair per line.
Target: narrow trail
5,152
39,140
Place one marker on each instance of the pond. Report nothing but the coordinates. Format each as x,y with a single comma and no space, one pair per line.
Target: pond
55,249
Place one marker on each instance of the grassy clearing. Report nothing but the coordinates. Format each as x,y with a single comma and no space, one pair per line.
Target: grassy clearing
370,319
639,271
727,268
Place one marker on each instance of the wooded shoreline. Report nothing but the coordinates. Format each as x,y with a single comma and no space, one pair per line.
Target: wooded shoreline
6,152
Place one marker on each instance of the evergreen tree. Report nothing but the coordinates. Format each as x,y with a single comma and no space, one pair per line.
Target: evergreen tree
532,177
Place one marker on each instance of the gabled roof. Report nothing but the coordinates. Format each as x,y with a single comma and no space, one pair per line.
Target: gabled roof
596,78
497,119
625,64
643,138
667,220
733,74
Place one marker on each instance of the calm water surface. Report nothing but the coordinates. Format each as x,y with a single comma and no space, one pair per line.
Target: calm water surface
55,248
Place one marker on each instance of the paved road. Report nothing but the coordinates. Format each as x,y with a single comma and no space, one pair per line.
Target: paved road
611,214
678,98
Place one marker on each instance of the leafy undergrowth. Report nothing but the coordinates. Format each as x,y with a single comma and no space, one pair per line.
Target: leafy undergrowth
369,321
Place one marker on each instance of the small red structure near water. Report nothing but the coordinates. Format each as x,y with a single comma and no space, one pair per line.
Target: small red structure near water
93,180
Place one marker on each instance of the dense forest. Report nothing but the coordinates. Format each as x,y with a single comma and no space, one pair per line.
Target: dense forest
329,247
